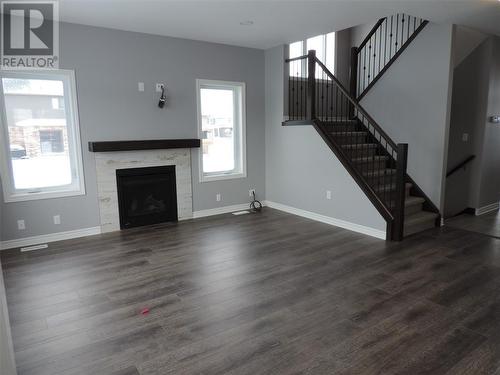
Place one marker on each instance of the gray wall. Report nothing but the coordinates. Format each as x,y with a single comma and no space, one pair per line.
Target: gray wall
300,167
108,65
7,362
343,56
411,103
476,97
464,42
468,111
490,168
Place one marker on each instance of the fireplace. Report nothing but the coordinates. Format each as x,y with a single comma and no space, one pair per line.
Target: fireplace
146,195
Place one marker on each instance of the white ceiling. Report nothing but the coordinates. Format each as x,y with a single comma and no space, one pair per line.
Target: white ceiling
274,22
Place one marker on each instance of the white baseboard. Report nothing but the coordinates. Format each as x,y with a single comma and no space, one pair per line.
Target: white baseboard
488,208
46,238
221,210
52,237
328,220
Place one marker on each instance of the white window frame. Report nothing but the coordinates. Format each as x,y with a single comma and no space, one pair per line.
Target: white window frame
240,171
10,193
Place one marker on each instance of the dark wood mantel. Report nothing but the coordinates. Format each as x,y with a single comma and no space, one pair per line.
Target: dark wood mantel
153,144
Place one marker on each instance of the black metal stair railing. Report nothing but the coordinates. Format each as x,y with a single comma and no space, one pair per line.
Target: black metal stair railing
297,88
382,46
372,158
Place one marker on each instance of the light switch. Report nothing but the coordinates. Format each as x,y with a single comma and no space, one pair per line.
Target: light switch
465,137
140,86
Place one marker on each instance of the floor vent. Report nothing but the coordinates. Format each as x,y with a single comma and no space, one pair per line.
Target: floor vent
33,248
241,213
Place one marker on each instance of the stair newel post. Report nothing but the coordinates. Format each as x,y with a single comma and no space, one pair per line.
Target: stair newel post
311,85
353,77
401,164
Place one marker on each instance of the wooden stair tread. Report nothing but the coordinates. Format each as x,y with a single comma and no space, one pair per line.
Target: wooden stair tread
379,172
360,146
340,122
392,186
412,200
370,158
348,133
420,217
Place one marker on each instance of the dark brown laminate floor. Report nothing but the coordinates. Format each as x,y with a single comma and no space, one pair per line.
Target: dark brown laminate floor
267,293
488,224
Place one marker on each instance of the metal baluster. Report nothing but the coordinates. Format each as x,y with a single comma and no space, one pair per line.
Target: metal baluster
385,42
402,29
326,99
397,32
336,124
364,69
379,49
390,39
369,59
360,69
323,95
294,93
304,92
408,27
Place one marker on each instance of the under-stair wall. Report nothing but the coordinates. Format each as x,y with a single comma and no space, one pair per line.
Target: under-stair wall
300,167
412,101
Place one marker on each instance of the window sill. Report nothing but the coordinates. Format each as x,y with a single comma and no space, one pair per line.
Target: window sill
42,195
222,177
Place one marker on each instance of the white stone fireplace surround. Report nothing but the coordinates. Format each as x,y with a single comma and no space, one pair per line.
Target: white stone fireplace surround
108,162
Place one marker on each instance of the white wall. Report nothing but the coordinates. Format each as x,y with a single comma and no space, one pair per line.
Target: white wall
300,167
411,102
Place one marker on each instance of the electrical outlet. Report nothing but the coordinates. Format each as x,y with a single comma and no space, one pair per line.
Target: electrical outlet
465,137
328,194
57,219
21,225
251,192
159,86
218,197
140,86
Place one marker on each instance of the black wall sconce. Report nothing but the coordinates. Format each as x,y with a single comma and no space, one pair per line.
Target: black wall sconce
163,97
494,119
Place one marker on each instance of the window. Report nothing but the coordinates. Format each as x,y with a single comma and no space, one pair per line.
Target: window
40,136
324,45
221,122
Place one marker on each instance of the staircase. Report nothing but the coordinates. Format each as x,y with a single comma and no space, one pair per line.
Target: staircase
373,159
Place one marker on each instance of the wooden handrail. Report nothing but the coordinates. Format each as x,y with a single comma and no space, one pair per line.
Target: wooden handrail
383,45
327,100
358,106
392,60
460,165
372,31
296,58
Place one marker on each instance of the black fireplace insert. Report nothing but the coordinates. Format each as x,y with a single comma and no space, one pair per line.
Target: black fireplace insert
146,196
